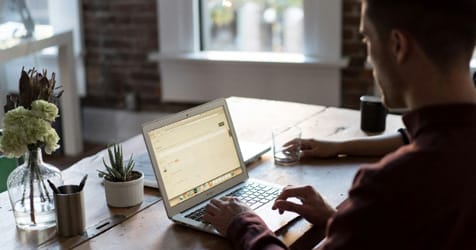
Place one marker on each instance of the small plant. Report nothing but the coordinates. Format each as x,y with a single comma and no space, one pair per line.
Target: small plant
117,170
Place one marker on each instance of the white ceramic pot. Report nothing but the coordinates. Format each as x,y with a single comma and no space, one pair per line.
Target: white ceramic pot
125,194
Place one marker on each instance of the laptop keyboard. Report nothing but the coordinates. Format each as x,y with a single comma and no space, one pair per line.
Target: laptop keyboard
254,195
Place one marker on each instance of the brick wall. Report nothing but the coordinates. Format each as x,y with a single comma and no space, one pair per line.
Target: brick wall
118,36
356,79
120,33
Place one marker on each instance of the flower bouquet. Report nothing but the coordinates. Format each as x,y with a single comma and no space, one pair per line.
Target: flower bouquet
27,129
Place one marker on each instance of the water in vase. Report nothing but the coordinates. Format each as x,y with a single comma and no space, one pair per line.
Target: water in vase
44,215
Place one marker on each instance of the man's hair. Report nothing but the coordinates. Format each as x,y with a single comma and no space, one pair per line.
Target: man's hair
444,29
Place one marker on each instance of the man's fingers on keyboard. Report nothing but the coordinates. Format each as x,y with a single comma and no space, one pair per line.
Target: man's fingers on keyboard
225,198
283,205
229,198
211,209
217,203
207,218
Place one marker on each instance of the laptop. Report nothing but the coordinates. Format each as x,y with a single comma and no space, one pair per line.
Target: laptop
196,157
250,151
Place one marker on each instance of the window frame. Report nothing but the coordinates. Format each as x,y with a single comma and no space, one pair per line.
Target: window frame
205,21
180,49
179,28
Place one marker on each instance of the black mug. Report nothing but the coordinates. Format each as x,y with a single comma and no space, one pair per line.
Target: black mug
372,114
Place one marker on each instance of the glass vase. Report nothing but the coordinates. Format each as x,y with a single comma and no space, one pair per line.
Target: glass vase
30,195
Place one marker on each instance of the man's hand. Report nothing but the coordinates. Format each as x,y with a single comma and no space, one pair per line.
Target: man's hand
314,148
220,213
313,208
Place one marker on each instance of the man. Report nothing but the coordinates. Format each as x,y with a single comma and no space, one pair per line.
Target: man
421,196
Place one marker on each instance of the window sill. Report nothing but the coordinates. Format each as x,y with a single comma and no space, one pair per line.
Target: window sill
264,58
204,76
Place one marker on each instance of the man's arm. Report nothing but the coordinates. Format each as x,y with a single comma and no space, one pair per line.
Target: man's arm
248,231
367,146
238,223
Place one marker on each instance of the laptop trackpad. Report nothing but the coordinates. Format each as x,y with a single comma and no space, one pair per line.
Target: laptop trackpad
273,219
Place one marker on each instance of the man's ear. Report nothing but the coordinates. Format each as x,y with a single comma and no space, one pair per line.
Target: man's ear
399,45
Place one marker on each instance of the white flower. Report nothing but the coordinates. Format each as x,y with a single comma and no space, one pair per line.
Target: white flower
51,141
23,127
45,110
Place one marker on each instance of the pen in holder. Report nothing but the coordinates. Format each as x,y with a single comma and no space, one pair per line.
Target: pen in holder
69,205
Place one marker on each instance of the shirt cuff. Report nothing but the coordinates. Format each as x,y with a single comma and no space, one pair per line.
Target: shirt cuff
403,133
248,231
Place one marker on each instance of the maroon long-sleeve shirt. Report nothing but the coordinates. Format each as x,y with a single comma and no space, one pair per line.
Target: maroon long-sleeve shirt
422,196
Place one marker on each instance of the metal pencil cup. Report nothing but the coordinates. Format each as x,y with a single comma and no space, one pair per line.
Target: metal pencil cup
69,205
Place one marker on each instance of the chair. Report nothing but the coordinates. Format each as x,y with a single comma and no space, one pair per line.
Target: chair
6,167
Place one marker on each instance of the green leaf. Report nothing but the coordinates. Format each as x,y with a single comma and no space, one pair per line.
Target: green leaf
117,170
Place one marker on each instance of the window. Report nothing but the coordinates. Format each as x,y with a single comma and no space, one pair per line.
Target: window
49,16
182,26
17,16
252,25
38,10
203,56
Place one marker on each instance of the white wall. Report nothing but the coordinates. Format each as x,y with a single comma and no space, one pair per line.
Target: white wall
308,84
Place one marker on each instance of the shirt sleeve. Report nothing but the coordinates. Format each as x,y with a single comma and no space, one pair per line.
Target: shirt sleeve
359,220
405,137
248,231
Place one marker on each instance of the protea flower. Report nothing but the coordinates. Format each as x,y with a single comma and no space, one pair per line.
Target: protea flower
34,86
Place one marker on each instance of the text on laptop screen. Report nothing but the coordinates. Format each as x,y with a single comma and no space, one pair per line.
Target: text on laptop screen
195,154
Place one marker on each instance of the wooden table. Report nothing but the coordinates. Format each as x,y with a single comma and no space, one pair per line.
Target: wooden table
147,226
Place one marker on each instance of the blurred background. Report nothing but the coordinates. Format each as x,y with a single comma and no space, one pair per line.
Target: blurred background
138,60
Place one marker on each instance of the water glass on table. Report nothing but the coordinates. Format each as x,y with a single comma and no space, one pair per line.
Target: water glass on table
286,145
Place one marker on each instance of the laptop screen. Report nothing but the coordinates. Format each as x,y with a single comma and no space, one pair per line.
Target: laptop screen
195,154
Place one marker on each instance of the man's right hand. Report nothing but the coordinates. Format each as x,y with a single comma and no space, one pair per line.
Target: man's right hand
313,208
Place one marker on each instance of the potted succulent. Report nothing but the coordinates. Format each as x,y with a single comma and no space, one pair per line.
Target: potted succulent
124,186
